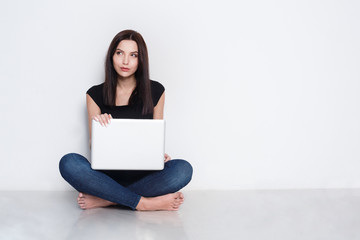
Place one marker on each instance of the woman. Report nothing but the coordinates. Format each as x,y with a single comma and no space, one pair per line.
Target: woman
126,93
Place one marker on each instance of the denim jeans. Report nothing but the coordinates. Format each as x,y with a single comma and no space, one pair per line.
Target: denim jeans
124,187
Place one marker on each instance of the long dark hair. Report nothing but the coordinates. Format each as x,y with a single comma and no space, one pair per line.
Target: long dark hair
142,93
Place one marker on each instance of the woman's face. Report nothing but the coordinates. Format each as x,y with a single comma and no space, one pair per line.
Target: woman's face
125,59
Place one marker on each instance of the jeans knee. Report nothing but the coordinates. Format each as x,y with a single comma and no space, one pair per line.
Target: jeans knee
183,172
186,171
69,164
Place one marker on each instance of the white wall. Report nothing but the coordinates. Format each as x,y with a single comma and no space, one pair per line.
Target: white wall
260,94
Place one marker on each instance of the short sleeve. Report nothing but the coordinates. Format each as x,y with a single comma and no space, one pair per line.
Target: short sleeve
157,89
96,93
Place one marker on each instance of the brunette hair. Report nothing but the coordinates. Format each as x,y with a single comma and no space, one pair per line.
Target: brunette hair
142,93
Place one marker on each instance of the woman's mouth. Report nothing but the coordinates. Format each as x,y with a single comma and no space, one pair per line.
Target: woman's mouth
124,69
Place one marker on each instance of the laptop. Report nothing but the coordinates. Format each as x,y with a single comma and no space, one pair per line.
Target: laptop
128,144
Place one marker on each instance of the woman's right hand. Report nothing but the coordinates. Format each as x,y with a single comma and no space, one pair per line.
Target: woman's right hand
103,119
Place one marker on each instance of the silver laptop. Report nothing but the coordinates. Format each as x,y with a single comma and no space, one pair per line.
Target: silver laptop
128,144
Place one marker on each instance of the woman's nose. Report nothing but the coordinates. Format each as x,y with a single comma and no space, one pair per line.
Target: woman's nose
126,60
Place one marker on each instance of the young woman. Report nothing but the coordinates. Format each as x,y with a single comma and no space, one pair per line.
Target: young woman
126,93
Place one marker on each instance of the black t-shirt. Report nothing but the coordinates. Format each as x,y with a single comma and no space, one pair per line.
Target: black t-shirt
126,111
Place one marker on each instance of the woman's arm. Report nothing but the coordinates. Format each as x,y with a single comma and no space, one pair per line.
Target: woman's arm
92,109
159,108
94,112
159,114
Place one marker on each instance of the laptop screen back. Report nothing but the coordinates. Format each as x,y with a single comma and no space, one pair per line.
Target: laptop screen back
128,144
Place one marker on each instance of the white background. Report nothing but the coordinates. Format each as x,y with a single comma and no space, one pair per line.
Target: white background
259,94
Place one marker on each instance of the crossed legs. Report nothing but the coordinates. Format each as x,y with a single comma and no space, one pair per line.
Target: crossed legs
156,191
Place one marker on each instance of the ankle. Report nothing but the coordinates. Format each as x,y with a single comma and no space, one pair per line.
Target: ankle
142,204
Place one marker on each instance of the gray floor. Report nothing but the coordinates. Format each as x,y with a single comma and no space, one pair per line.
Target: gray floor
268,214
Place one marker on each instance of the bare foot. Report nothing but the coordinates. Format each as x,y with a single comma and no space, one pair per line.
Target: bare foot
87,201
169,202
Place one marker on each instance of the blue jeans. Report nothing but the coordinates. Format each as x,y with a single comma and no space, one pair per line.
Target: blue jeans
124,187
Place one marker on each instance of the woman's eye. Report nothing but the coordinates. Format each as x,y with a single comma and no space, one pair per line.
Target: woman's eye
119,53
134,55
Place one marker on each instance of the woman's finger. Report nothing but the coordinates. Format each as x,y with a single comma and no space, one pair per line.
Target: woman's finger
98,119
167,157
104,120
108,117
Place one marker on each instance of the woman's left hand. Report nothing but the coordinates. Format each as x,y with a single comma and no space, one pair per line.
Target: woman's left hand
167,157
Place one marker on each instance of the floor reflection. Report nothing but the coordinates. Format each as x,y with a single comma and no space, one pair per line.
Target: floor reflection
120,223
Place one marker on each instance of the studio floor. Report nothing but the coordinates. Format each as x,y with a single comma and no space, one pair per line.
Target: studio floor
243,214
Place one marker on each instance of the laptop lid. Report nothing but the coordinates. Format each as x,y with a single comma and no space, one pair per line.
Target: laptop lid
128,144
